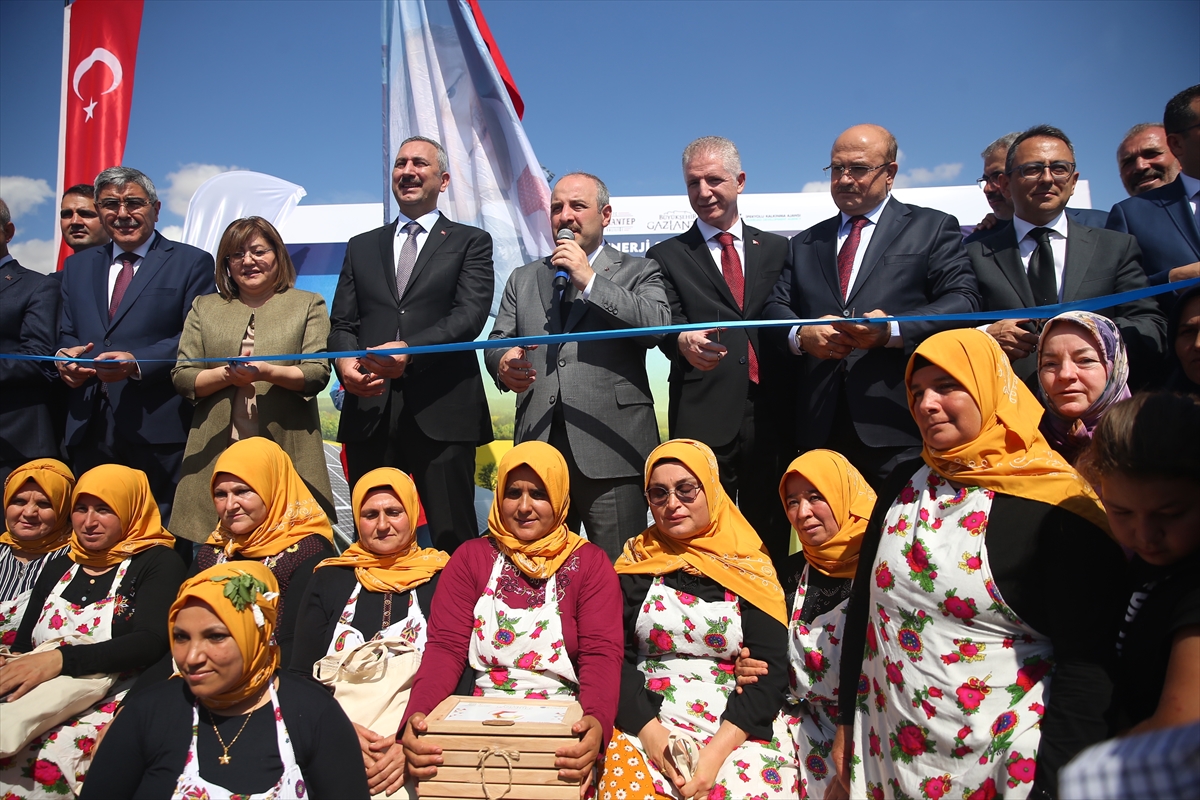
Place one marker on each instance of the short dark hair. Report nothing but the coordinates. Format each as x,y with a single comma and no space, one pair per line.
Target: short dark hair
1036,132
443,159
1178,114
1141,437
234,239
602,197
83,190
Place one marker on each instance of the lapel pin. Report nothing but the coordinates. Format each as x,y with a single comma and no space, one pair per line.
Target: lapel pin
443,233
754,241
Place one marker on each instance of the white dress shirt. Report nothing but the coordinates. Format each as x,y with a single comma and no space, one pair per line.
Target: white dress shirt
710,235
7,257
426,221
114,269
1058,244
587,290
1191,189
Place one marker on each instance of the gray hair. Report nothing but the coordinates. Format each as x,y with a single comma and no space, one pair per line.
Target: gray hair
120,176
5,216
443,159
1003,143
602,197
1137,130
718,146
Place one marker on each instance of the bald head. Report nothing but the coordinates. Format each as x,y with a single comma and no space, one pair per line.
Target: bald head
872,150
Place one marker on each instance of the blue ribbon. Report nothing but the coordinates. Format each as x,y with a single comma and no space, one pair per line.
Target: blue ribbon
1038,312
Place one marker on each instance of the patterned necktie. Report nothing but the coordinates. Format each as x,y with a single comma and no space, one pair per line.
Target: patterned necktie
1041,269
731,268
845,256
408,258
124,277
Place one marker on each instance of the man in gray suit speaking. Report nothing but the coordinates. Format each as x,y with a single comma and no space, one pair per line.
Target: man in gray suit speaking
591,400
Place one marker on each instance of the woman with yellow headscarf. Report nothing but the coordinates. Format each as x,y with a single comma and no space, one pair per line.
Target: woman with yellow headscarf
230,723
531,608
104,603
698,587
983,613
266,513
37,527
381,587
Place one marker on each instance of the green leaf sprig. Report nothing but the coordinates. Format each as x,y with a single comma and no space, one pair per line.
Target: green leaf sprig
242,590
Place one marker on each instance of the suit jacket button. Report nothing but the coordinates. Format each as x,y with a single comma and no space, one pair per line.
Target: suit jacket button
402,310
742,360
562,362
551,399
107,343
846,313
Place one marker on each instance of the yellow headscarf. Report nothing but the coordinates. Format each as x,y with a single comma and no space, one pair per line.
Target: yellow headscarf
222,588
1010,455
127,492
397,572
541,558
850,499
56,481
292,513
728,551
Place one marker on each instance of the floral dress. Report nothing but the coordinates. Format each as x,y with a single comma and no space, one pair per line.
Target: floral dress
814,655
411,629
686,650
55,764
953,686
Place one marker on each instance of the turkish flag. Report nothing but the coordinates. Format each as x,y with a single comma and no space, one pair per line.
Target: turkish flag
98,68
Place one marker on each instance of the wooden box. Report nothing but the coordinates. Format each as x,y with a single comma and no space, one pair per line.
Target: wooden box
469,729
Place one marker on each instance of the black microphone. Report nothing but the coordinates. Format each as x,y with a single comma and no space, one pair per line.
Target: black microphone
562,277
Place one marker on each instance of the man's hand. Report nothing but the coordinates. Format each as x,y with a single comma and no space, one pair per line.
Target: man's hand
357,380
422,759
825,341
1186,272
73,374
22,675
387,366
568,255
699,351
866,335
1015,341
747,669
517,372
387,774
987,223
577,762
116,365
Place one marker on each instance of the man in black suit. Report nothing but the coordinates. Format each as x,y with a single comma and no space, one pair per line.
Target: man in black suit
28,325
129,299
421,280
80,220
726,389
878,257
1045,257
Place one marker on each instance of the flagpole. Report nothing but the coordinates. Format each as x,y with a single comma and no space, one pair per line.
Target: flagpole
62,131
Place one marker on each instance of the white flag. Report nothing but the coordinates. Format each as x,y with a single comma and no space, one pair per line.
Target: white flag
231,196
441,82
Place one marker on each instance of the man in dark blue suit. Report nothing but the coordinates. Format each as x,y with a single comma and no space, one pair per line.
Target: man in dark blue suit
28,325
1164,220
129,300
878,257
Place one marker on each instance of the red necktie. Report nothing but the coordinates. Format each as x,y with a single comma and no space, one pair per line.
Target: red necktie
124,277
731,268
845,257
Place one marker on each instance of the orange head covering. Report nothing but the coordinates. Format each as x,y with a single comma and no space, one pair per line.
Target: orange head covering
543,557
127,492
400,571
292,513
1010,455
728,551
245,597
850,499
56,481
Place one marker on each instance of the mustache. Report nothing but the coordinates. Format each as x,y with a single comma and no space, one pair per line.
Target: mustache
1149,172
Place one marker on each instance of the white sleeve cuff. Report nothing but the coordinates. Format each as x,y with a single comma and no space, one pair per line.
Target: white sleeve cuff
792,345
587,290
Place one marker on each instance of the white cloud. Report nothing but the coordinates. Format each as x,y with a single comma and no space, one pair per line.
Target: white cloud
816,186
184,182
919,176
35,254
23,194
172,232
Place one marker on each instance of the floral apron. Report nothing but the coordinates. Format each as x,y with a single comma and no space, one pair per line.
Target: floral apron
814,657
55,763
411,629
686,649
954,683
190,786
519,652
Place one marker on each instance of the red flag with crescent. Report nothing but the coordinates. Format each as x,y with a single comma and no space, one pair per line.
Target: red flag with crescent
100,44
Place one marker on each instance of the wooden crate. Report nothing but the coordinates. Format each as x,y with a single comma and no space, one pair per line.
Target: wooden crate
531,729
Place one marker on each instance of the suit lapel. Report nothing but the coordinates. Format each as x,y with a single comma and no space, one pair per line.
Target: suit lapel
8,276
1007,256
545,286
753,267
697,248
1081,250
1180,212
441,231
102,258
892,220
824,241
387,256
606,262
157,255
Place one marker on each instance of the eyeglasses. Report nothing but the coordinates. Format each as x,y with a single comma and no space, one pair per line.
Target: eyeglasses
993,179
857,171
1059,170
132,205
684,492
258,255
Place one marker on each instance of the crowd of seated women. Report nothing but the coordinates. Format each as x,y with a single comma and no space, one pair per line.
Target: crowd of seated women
1024,590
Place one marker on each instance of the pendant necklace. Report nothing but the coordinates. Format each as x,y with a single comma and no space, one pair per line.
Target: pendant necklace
225,758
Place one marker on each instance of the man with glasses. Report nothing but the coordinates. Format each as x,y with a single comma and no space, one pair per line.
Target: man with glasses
1044,257
878,257
1164,220
123,307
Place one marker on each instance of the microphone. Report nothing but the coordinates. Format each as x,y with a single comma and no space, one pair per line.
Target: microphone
562,277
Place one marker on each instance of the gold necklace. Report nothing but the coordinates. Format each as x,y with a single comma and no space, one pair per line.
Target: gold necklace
225,758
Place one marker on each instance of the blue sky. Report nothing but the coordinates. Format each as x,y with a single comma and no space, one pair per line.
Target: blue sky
614,88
